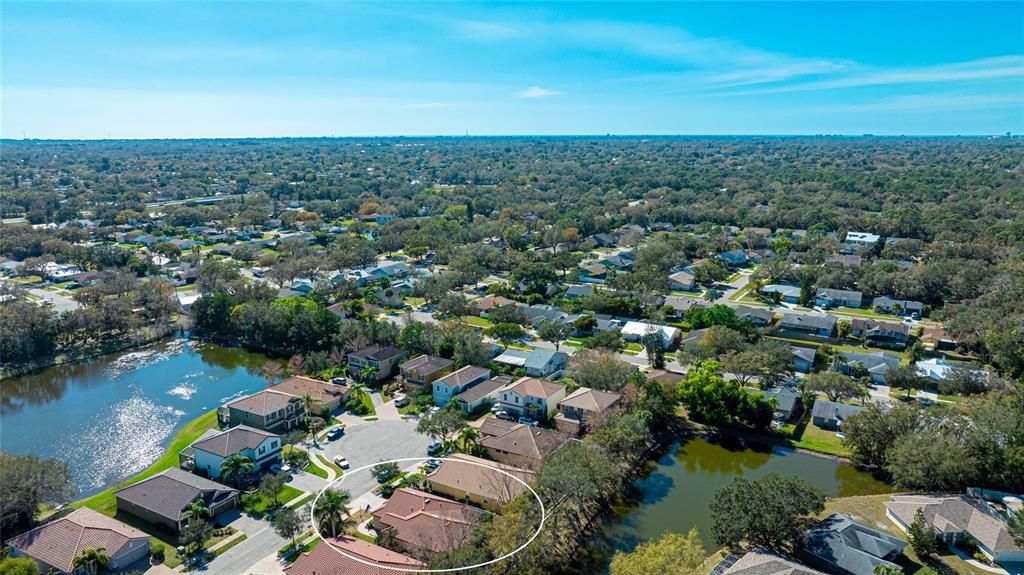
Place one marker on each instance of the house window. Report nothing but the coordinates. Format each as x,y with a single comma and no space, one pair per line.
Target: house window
273,444
263,450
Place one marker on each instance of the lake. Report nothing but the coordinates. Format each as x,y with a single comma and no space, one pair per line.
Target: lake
109,418
675,495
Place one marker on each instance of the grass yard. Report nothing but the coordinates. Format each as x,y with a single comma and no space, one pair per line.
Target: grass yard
870,510
807,436
259,504
315,469
634,347
104,501
223,549
301,501
367,402
477,321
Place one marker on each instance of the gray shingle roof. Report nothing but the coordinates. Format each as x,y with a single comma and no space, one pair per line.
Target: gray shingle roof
234,440
170,492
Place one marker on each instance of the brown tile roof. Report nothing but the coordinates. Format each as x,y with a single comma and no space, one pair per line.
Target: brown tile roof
262,402
58,542
662,376
533,387
591,400
463,376
326,559
527,441
765,563
955,514
322,391
427,364
169,493
490,302
480,481
426,521
231,441
495,426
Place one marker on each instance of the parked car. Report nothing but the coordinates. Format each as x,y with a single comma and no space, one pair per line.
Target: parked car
341,462
401,400
280,468
496,408
505,415
527,421
432,464
335,433
434,447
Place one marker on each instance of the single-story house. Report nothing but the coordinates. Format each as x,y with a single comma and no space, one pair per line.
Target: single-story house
603,240
788,293
881,333
532,397
682,281
758,316
937,369
636,330
593,273
665,377
447,387
830,414
474,480
333,395
519,445
876,364
803,358
487,303
787,401
577,407
905,307
734,258
763,562
803,324
422,371
383,358
485,392
844,260
360,558
206,455
537,362
55,544
163,499
576,292
681,305
829,298
956,517
841,544
267,410
421,523
862,238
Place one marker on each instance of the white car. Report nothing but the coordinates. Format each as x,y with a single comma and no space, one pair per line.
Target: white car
401,400
341,462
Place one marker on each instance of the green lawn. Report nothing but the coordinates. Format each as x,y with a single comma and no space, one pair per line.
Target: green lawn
808,436
302,501
367,402
476,321
634,347
259,504
104,501
315,469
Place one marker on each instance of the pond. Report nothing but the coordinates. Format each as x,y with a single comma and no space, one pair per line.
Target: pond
675,495
111,417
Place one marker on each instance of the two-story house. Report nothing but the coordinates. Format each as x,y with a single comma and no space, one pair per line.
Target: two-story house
447,387
581,405
383,359
536,362
419,373
532,397
206,455
268,410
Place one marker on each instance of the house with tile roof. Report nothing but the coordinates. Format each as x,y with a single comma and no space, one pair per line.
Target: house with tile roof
333,395
460,380
206,455
55,544
383,358
421,523
420,372
163,499
957,517
268,410
345,555
532,397
763,562
581,405
480,482
523,446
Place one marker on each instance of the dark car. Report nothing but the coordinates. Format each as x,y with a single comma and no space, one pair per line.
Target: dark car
335,433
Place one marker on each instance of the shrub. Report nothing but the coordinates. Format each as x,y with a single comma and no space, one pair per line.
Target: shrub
157,552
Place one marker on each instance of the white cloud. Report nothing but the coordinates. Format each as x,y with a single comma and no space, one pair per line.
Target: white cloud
536,92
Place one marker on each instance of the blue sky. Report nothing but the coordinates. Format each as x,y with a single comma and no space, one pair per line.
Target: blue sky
200,69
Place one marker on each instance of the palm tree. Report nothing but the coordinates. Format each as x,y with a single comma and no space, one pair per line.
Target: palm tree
91,559
197,510
711,294
332,509
368,372
308,403
235,467
466,440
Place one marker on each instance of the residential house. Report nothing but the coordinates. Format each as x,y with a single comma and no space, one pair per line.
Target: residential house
681,305
875,364
382,359
477,481
862,238
623,261
937,369
762,562
831,414
787,400
422,371
904,307
593,273
537,362
957,517
636,330
805,324
575,292
481,394
758,316
389,297
662,227
844,260
682,281
532,397
206,455
936,338
803,358
880,333
787,293
841,544
523,446
603,240
669,378
324,393
421,523
447,387
734,258
581,405
163,499
55,544
351,556
268,410
485,304
829,298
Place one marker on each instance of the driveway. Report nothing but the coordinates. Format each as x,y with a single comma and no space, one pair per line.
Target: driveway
372,442
61,303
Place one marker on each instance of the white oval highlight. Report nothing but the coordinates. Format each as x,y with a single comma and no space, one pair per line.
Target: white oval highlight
316,527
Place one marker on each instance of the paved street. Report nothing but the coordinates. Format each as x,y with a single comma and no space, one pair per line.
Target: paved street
239,558
61,303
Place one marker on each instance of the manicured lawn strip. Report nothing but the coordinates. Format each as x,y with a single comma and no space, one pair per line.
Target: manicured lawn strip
817,439
476,321
302,501
221,550
315,469
635,347
259,504
104,501
367,402
324,462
